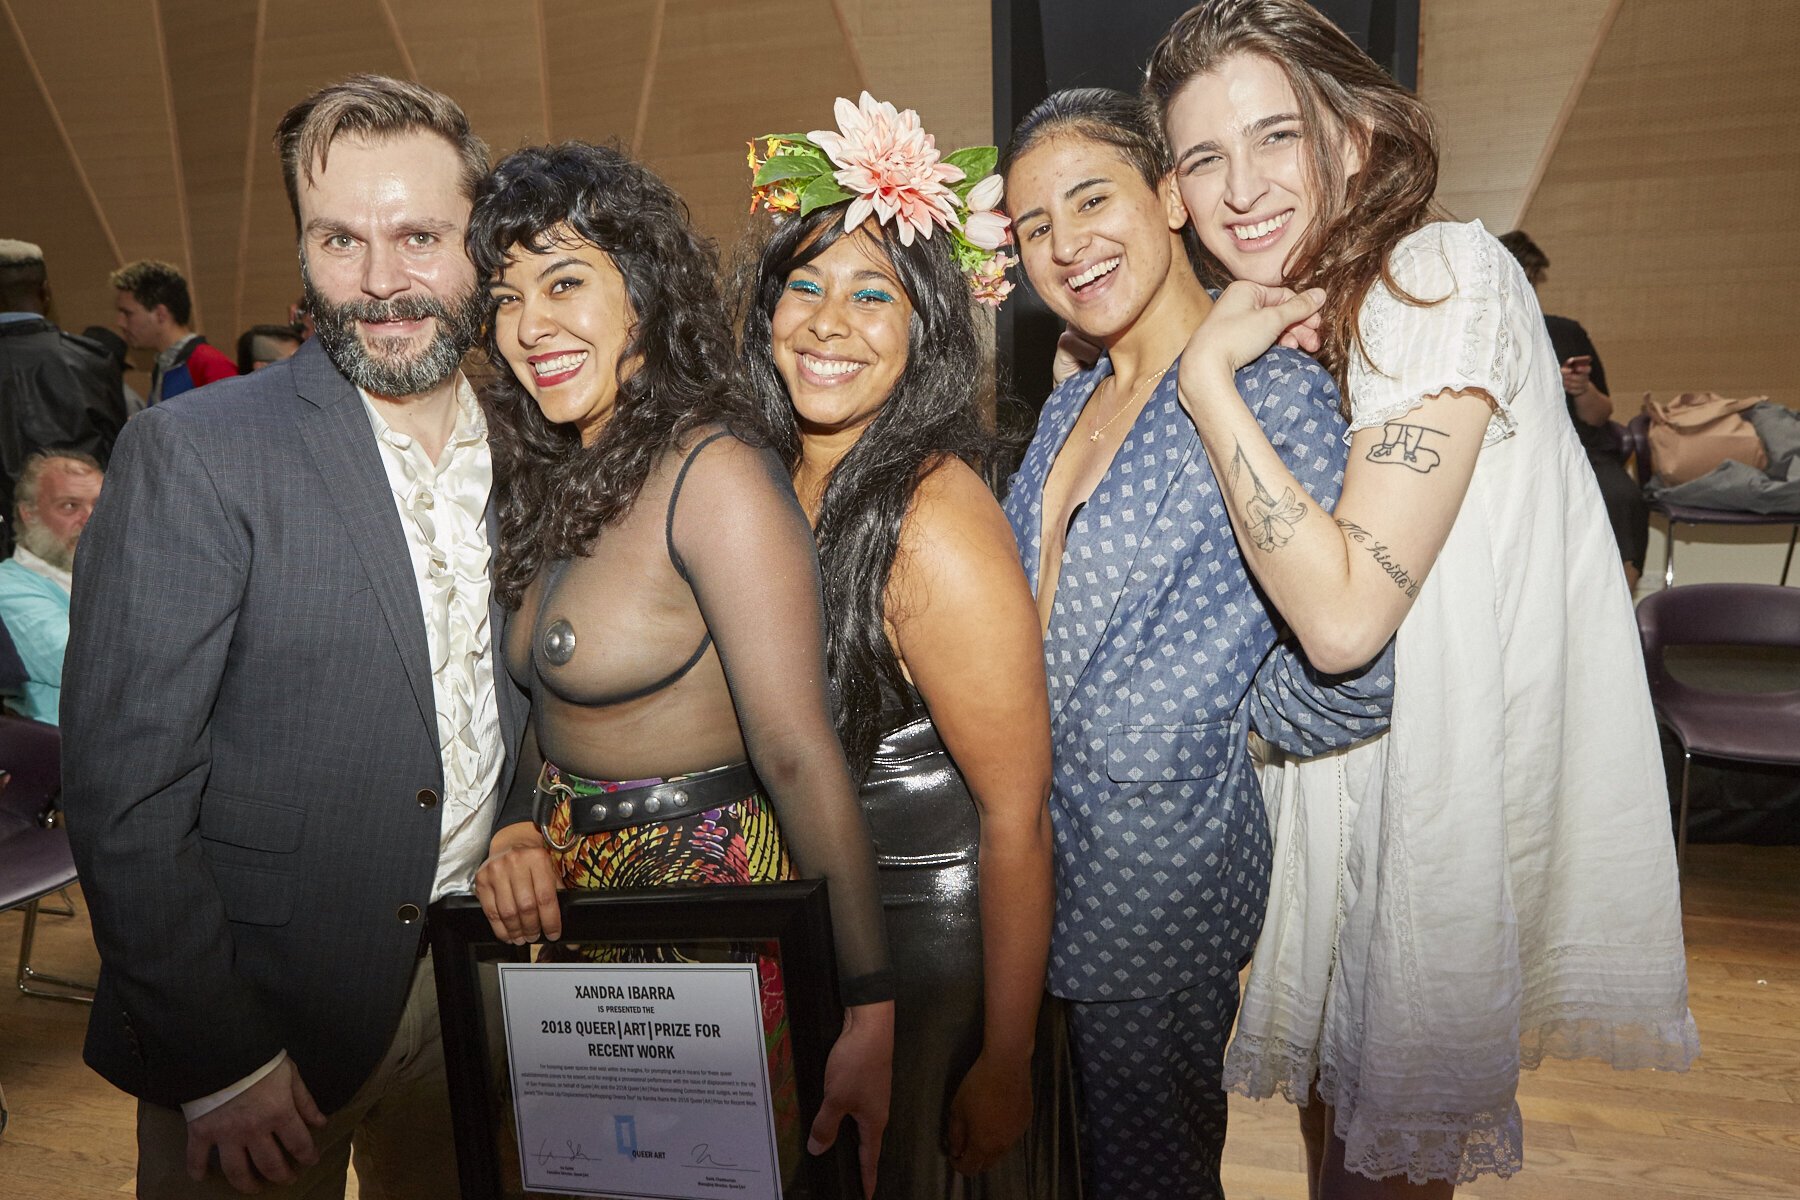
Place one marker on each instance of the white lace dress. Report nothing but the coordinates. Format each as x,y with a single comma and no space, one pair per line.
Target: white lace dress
1494,880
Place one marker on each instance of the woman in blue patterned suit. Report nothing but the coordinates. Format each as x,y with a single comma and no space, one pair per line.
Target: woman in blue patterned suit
1160,652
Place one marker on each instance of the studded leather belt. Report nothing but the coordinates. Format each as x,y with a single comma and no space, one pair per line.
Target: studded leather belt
645,804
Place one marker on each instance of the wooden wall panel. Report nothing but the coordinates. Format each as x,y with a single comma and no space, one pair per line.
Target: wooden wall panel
212,48
933,56
486,55
42,199
687,81
597,60
103,68
728,72
306,47
1669,207
1498,76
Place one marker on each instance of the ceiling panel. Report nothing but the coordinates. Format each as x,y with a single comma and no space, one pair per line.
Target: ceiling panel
212,48
102,65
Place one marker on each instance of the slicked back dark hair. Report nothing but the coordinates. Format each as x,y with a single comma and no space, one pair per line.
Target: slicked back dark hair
1126,124
935,411
675,371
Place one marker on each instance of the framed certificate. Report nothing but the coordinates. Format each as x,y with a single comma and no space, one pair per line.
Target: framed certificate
670,1047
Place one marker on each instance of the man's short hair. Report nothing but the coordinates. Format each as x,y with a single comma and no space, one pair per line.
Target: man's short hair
22,275
253,340
25,488
374,107
1533,260
152,282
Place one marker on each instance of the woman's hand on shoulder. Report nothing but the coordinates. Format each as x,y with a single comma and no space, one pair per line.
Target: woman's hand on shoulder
517,886
991,1111
1243,323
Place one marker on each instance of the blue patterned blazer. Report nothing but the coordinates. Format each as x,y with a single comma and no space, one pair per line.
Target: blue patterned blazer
1161,655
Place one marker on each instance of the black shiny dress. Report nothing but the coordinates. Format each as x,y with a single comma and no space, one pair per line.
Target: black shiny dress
926,833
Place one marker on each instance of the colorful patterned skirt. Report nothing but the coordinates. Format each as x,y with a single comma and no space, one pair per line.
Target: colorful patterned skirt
736,843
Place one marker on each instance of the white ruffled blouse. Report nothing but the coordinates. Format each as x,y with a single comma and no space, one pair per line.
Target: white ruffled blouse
1494,880
442,507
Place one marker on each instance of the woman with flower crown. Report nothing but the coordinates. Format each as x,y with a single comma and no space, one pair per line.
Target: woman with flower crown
665,600
859,343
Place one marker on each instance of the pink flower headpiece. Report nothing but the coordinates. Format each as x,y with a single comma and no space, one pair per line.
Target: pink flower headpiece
883,162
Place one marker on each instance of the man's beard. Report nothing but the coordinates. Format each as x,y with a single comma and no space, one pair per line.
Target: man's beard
384,367
47,546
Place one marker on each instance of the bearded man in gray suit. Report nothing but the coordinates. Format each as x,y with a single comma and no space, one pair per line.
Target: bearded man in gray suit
285,732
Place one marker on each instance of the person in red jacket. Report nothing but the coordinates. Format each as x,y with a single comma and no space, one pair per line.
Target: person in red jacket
154,310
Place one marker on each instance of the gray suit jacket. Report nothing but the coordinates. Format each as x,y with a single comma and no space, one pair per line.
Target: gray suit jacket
250,753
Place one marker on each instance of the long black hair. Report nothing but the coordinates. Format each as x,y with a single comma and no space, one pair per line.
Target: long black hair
934,412
675,371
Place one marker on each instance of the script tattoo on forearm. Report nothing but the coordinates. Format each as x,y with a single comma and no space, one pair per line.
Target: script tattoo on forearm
1270,522
1405,445
1383,557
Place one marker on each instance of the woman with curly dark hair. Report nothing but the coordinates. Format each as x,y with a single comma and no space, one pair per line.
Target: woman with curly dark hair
665,596
860,346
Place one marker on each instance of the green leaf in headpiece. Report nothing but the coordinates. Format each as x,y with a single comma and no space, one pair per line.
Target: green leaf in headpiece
792,166
977,163
820,192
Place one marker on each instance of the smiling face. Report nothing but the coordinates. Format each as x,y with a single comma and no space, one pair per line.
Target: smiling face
1242,165
387,281
839,335
561,320
1097,241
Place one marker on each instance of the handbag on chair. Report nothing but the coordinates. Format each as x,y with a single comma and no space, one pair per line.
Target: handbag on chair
1693,433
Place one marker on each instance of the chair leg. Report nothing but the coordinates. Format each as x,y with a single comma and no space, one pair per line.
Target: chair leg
53,987
1793,535
1669,557
66,910
1681,819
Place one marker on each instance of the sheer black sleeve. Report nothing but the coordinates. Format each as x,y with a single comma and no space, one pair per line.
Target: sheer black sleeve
737,535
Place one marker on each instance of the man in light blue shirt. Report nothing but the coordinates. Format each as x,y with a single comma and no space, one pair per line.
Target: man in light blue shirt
52,500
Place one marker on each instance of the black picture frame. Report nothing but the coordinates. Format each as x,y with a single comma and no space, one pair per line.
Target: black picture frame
795,915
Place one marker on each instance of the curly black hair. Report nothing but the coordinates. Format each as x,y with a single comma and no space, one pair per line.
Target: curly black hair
935,411
675,371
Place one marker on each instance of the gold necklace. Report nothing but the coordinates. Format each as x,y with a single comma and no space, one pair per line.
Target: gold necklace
1095,436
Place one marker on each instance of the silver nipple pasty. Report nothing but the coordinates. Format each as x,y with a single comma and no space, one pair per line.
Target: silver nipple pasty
559,642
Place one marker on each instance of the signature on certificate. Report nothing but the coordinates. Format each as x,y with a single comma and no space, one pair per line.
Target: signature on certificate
547,1154
703,1155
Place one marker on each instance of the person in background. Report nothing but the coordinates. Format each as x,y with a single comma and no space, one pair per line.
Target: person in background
300,319
154,309
51,504
57,391
116,349
1591,410
264,345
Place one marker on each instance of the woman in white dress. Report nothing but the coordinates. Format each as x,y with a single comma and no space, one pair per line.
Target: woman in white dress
1494,880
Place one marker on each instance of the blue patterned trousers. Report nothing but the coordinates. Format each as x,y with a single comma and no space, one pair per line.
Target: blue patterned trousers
1152,1104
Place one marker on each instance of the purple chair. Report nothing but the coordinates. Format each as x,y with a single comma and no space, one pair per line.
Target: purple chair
1758,727
1637,436
34,852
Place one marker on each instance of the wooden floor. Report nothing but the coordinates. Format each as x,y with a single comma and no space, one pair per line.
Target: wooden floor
1728,1128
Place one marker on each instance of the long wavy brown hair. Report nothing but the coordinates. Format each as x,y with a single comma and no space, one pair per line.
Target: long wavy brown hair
1341,93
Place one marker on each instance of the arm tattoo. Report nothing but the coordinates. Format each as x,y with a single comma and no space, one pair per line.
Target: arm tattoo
1270,522
1384,558
1404,444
